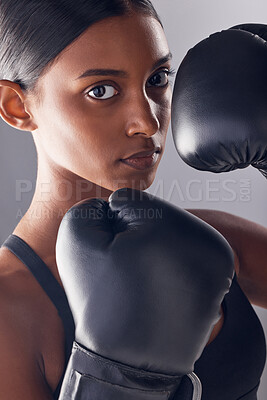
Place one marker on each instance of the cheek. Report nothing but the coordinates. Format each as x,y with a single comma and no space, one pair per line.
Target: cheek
164,112
78,137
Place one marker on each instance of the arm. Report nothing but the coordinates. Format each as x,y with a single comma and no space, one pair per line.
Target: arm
21,375
249,243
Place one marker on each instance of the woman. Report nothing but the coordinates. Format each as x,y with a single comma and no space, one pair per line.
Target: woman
90,81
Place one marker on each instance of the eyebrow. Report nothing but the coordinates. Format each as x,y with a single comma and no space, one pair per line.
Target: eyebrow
122,74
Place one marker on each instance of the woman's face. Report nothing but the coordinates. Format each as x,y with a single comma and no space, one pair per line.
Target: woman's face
87,125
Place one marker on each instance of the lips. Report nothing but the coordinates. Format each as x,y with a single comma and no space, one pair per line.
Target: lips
146,153
142,160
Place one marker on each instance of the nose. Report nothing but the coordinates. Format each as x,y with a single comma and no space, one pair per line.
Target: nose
141,116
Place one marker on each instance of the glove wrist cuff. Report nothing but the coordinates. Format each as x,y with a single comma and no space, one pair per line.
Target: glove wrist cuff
88,372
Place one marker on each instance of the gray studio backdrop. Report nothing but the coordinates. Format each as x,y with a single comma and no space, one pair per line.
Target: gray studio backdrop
243,193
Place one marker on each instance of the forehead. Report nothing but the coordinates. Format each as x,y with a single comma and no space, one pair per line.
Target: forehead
115,42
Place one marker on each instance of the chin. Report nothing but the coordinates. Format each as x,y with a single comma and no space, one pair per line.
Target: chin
133,182
139,184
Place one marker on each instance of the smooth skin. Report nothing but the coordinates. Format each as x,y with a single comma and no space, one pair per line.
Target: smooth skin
80,141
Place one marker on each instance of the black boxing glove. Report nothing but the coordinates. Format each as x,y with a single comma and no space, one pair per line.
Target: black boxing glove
219,119
145,281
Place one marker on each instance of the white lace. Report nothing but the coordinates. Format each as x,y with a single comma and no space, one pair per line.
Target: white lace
197,387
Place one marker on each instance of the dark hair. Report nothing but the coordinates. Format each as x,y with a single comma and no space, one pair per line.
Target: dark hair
34,32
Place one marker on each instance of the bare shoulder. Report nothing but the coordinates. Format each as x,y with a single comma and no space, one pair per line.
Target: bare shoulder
30,331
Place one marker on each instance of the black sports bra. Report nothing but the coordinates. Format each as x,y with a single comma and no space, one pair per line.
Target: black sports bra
229,368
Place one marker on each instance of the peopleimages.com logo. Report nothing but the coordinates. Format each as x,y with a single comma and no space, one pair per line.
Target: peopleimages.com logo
194,190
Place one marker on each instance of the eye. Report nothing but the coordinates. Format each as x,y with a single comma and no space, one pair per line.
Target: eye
160,79
102,92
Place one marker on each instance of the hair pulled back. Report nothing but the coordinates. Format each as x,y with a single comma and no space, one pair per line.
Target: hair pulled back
34,32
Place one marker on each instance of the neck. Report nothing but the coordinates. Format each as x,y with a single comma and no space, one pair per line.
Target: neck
56,192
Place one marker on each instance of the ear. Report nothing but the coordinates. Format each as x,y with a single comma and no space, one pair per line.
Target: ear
13,108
